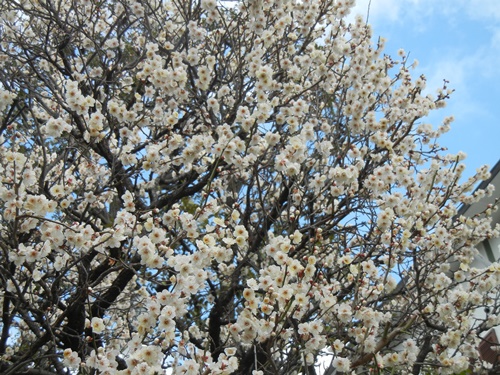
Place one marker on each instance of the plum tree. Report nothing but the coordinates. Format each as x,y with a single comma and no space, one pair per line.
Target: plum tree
203,187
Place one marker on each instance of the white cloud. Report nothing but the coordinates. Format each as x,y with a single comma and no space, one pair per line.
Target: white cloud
399,10
458,72
495,39
483,9
378,9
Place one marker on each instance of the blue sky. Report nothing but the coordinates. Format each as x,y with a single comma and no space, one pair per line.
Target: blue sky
456,40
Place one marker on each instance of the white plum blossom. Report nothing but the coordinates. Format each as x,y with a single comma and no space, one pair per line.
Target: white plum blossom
97,325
